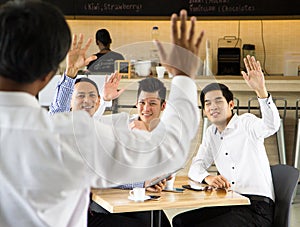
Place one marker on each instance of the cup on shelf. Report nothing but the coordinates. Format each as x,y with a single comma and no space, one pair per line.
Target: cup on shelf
137,194
170,75
160,70
143,68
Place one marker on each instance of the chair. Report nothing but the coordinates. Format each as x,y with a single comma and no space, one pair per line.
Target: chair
285,179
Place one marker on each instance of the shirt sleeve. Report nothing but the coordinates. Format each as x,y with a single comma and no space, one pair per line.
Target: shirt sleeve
270,121
131,186
102,107
202,161
63,95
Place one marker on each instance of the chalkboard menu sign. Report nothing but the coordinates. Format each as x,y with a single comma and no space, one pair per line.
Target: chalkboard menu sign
164,8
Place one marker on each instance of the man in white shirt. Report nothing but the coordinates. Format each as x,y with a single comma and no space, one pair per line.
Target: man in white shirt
49,163
236,145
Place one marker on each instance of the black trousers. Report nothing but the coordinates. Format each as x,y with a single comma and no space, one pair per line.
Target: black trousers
259,214
129,219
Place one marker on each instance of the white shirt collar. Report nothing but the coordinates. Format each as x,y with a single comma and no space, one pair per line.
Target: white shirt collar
18,99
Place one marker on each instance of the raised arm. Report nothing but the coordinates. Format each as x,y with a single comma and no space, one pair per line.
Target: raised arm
255,77
76,57
145,155
183,58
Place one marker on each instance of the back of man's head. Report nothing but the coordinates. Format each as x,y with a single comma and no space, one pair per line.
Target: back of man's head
34,39
216,87
152,85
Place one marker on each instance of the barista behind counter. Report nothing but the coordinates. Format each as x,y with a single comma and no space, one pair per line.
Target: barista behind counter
106,58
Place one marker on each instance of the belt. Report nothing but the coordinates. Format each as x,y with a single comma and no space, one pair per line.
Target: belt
260,198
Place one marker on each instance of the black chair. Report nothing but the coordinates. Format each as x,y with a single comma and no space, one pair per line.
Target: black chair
285,179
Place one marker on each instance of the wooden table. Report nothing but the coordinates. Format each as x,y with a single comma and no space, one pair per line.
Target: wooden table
116,200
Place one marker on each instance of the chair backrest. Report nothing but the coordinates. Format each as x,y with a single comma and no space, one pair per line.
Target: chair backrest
285,179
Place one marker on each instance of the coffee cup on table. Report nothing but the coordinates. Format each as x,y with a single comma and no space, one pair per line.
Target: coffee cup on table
137,194
170,183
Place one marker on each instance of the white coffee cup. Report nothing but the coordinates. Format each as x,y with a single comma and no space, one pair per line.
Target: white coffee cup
170,75
160,70
137,194
170,183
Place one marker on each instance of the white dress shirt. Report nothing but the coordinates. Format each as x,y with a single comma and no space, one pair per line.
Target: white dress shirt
48,163
239,152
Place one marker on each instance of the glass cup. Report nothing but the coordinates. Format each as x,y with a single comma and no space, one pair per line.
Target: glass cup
170,183
160,70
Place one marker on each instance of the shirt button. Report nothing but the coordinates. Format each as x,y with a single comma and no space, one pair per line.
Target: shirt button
232,182
226,153
232,167
221,138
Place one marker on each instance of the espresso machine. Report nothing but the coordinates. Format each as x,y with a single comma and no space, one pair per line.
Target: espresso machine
229,56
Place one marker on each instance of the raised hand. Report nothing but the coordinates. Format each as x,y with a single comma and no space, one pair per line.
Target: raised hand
182,58
76,57
255,77
110,89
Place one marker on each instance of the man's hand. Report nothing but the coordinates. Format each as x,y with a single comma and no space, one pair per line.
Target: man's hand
182,58
76,58
155,188
137,124
255,77
217,181
110,89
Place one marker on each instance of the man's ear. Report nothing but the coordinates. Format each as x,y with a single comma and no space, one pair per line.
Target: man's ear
163,106
98,101
231,104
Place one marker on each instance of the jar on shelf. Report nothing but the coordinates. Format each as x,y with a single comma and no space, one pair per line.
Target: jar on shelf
248,49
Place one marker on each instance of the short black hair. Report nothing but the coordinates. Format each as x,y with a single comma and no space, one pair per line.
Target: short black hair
34,39
216,87
85,79
103,36
152,84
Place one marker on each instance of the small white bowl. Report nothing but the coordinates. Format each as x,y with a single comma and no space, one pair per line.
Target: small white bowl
143,68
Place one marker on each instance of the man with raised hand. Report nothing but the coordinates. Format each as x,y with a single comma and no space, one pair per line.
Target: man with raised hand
49,163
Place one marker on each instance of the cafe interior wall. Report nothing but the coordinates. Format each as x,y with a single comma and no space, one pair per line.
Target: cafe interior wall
277,36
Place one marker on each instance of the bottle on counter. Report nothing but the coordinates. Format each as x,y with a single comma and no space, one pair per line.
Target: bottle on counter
154,51
208,60
155,33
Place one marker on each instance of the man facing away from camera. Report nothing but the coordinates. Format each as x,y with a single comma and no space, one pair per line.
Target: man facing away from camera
49,163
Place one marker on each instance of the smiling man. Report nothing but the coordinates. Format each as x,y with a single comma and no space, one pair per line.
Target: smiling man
85,96
236,145
151,102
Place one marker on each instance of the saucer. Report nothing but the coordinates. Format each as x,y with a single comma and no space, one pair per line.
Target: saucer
133,199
